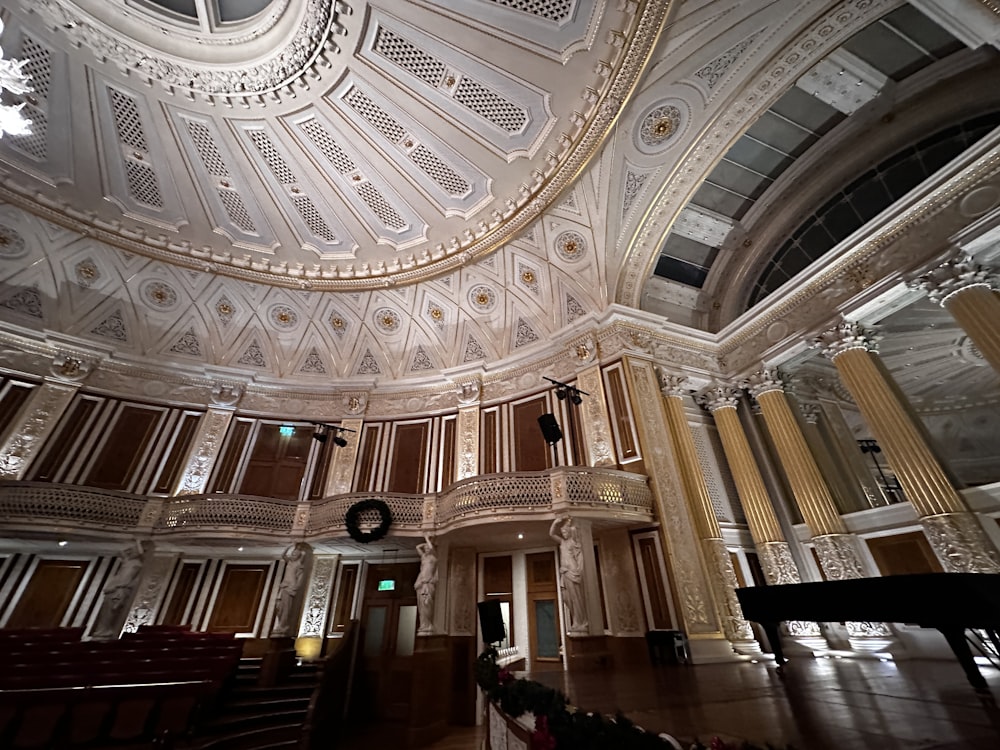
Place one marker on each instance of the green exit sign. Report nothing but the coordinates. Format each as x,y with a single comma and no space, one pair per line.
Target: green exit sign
387,585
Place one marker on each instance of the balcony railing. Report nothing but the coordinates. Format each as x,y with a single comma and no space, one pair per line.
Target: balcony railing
596,493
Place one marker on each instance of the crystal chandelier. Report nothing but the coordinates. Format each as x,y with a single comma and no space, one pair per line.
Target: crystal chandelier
14,80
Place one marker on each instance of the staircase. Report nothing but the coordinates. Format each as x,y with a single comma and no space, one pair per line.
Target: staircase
259,718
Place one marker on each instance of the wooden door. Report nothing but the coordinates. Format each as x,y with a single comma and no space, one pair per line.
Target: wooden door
544,630
389,629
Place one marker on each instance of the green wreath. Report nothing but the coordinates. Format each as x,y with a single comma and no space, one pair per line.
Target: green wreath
354,515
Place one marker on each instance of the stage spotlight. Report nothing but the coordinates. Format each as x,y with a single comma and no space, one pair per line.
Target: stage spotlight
339,441
320,432
576,399
319,437
561,394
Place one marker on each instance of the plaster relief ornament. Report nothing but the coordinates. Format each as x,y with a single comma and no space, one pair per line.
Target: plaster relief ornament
11,243
226,394
67,366
14,80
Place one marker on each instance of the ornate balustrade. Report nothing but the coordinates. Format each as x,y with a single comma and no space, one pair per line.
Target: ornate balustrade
567,488
39,504
599,493
213,512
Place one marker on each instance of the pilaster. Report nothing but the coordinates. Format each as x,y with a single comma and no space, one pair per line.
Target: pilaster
467,442
719,563
207,443
38,417
595,419
688,576
340,479
317,598
151,591
461,591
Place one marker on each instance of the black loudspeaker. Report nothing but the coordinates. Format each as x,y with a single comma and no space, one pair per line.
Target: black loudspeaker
550,428
491,622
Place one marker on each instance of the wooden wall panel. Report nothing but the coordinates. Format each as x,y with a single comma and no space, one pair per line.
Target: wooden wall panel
173,465
366,462
48,594
618,403
277,463
57,453
408,463
901,554
177,607
238,599
448,454
11,402
225,471
323,457
488,443
531,452
121,456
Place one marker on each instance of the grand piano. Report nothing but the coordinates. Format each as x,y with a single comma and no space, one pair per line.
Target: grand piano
950,602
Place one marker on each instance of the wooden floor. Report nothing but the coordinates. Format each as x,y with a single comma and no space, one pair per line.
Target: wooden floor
818,704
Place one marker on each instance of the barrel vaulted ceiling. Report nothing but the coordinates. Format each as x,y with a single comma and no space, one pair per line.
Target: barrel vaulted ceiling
381,191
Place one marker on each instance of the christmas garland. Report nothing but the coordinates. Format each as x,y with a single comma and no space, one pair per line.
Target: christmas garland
353,516
559,726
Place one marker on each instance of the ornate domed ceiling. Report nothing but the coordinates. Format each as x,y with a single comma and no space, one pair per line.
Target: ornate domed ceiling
317,145
323,194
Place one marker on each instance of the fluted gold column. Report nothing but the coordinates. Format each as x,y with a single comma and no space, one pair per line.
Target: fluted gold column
956,535
966,290
775,557
838,550
723,579
37,418
772,550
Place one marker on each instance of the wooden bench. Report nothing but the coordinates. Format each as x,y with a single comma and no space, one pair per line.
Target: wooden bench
59,692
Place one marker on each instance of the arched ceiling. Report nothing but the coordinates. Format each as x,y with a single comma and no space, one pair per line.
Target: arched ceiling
327,193
328,146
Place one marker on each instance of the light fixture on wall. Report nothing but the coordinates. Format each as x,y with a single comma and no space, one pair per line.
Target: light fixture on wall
321,431
565,390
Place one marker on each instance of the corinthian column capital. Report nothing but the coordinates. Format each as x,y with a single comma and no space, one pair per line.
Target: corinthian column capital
673,386
763,381
954,276
845,337
719,396
810,412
